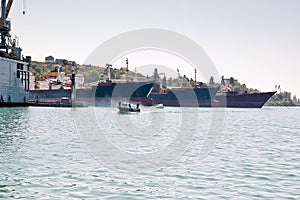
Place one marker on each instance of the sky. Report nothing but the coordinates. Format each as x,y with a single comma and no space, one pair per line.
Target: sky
255,41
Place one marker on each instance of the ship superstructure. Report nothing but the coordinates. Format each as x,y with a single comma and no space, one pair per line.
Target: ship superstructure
14,68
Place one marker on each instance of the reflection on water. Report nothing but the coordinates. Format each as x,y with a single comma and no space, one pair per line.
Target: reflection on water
13,127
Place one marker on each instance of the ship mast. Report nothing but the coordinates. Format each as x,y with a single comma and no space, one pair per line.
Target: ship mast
195,75
108,67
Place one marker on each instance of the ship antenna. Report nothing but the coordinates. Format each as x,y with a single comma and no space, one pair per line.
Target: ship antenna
180,78
24,7
127,69
196,75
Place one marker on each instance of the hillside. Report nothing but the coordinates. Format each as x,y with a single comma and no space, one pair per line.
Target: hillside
91,73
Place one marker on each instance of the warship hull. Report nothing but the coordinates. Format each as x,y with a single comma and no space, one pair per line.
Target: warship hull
245,100
185,97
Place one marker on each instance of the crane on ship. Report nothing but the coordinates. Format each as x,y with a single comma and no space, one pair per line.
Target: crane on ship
6,42
4,23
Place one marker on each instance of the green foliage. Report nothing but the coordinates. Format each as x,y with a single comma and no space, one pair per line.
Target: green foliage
91,76
164,82
91,73
281,99
176,82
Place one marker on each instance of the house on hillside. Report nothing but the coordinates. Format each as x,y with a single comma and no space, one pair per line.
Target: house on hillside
49,59
61,61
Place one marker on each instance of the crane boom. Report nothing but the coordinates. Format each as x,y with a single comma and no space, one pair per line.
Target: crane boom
9,4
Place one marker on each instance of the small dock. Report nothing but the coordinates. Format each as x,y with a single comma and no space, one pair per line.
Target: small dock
49,104
14,104
64,102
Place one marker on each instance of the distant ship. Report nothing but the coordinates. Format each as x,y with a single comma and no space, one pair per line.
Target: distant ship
49,94
14,75
102,94
242,100
202,95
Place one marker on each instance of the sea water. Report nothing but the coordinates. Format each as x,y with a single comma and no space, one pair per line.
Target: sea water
170,153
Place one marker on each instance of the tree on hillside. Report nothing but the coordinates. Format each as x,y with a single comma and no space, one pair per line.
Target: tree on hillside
295,100
231,81
222,81
164,82
170,81
281,99
91,76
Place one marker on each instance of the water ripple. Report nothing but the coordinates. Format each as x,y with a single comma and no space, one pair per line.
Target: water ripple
256,157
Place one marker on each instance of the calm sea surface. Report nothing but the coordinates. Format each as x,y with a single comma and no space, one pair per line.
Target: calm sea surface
95,153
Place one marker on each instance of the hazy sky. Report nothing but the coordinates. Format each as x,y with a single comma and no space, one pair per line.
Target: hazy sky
255,41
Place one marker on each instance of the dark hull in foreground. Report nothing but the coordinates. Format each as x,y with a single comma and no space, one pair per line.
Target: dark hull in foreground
185,97
109,93
245,100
